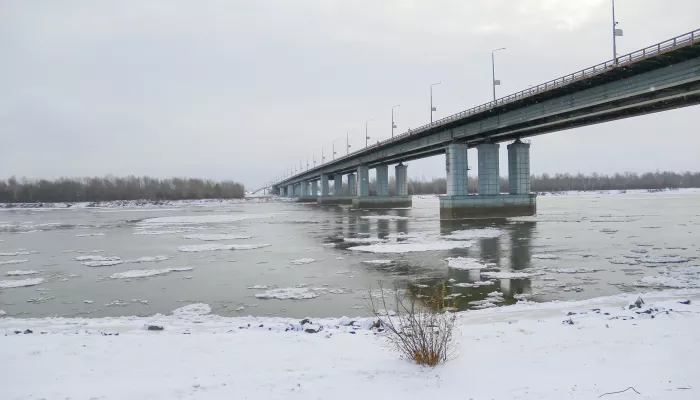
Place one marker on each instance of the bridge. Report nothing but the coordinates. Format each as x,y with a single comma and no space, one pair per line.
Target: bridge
657,78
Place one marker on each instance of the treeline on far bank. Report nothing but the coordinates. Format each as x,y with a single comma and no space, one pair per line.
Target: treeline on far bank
563,182
110,188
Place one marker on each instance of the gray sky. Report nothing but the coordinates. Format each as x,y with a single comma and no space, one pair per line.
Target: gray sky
245,89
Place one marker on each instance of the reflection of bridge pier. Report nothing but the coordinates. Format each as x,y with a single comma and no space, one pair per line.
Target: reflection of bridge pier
521,244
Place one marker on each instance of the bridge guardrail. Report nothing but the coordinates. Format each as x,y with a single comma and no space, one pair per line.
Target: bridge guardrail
653,50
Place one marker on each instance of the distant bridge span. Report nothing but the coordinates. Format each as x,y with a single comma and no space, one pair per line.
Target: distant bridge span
657,78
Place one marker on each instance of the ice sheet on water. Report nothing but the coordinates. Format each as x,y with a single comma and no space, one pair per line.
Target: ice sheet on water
215,247
676,282
412,247
20,272
507,275
545,256
15,253
574,270
164,232
97,258
192,310
378,262
13,262
302,261
21,283
144,273
89,234
383,217
213,237
483,233
148,259
366,240
474,284
106,263
623,261
202,219
260,287
663,259
293,293
466,263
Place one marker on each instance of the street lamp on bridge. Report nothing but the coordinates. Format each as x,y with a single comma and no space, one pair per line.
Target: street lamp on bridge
347,141
393,125
493,73
367,133
616,32
432,109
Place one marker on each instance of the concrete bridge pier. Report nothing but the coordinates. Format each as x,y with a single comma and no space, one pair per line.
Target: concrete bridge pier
352,185
290,190
382,200
306,195
314,188
489,203
337,197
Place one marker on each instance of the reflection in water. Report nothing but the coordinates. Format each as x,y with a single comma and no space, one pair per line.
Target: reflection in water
420,274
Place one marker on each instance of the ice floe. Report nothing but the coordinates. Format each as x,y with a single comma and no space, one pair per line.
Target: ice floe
260,287
89,234
143,273
21,272
545,256
466,263
213,237
663,259
483,233
404,247
474,284
378,262
164,232
9,262
573,270
148,259
105,263
293,293
21,283
97,258
507,275
202,219
215,247
366,240
15,253
383,217
195,309
302,261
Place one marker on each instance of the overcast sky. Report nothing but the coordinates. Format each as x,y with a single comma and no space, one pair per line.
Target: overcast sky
243,90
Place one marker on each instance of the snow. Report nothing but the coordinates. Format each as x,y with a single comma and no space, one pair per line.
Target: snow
302,261
204,356
212,237
9,262
363,240
216,246
21,283
412,247
383,217
192,310
545,256
295,293
465,263
143,273
378,262
21,272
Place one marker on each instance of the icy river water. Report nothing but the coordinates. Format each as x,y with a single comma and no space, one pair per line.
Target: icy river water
287,259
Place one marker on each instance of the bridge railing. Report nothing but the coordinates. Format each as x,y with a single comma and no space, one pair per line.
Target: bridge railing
651,51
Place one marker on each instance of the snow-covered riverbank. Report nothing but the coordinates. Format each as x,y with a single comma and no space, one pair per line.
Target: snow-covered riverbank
572,350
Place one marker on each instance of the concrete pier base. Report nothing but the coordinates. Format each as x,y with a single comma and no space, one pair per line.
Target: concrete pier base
370,202
484,206
307,199
333,200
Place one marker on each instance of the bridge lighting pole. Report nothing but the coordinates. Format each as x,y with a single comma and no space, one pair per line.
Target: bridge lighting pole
493,72
432,109
393,125
334,153
616,32
347,141
366,133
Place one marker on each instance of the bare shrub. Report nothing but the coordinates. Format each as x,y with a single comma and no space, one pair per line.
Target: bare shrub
420,330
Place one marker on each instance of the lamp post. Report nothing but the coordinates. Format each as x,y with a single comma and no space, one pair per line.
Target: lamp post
493,72
616,32
367,133
393,125
431,101
334,149
347,141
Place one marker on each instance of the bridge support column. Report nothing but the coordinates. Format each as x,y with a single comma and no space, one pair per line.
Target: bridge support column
352,185
314,188
337,197
306,197
290,190
489,177
337,185
362,181
382,199
489,203
325,190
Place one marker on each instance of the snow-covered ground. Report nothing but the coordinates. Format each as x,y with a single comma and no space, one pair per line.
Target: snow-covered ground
566,350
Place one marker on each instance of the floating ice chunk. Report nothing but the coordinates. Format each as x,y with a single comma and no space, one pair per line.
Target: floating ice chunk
97,258
192,310
663,260
15,253
545,256
641,251
2,313
363,240
676,282
89,234
21,283
383,217
202,219
214,247
506,275
149,259
481,304
258,287
20,273
166,232
573,270
295,293
143,273
623,261
466,263
378,262
302,261
13,262
88,301
212,237
412,247
483,233
523,219
106,263
474,284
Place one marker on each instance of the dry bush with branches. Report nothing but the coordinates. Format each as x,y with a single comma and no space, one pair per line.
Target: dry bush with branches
420,330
